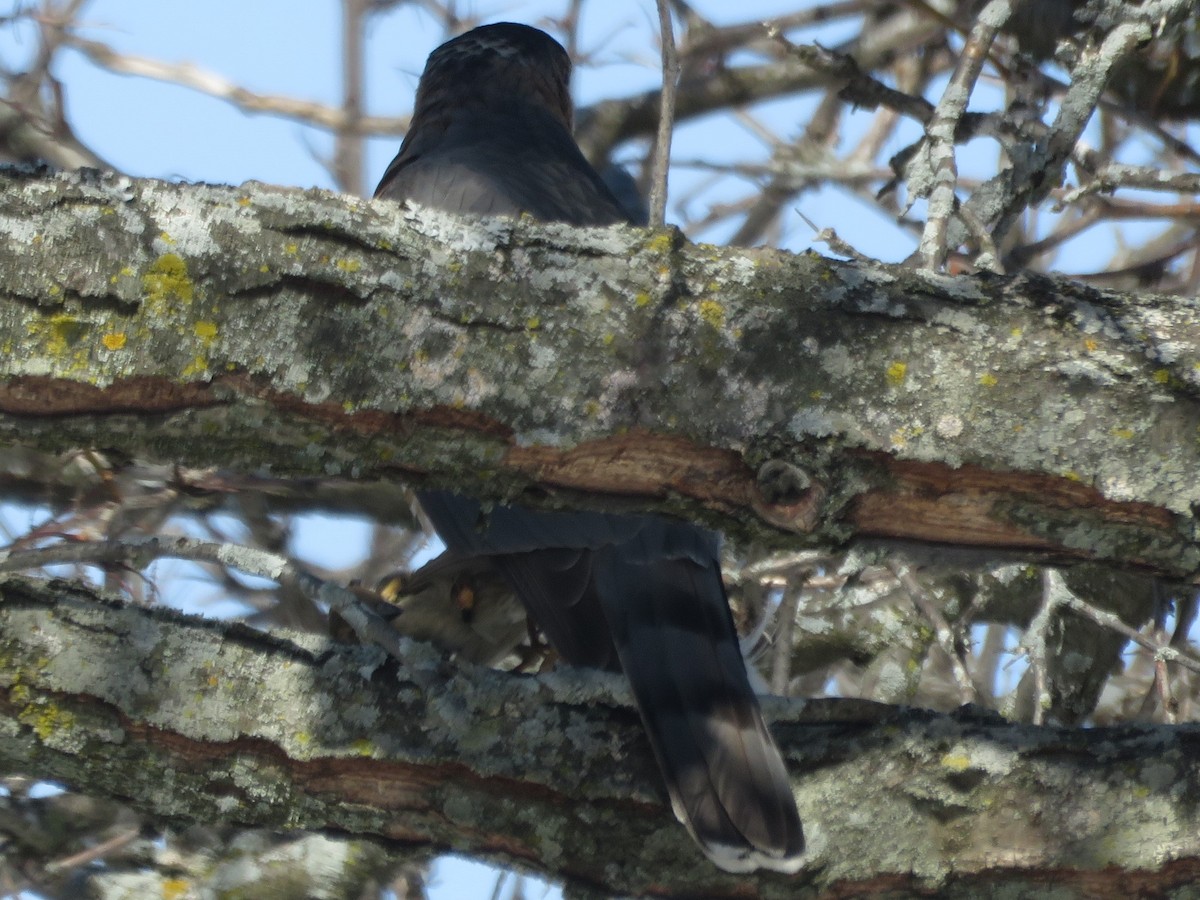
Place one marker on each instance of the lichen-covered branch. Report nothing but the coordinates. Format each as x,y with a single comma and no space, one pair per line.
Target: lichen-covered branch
786,396
210,722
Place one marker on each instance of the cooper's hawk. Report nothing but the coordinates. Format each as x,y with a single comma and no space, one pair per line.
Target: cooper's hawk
491,135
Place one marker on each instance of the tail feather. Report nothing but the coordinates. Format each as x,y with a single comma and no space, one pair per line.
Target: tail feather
678,647
646,594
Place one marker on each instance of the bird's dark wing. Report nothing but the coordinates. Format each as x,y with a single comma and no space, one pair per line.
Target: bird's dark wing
490,137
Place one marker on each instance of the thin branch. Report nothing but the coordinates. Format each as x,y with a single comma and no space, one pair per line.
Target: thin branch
945,635
1113,176
206,82
348,153
940,172
138,554
1113,621
666,117
91,854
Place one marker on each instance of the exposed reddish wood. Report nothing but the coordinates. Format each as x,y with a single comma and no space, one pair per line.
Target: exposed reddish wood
641,463
909,500
366,421
42,395
962,506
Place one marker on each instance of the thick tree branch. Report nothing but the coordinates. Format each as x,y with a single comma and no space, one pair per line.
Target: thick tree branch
212,722
767,393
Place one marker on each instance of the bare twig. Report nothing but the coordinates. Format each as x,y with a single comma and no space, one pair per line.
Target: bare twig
348,152
91,854
198,79
1111,620
940,173
781,658
945,635
140,553
1036,641
666,117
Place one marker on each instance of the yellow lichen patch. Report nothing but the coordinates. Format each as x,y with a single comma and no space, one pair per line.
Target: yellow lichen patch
641,299
291,249
65,331
896,373
167,280
957,762
46,719
264,268
59,332
197,366
348,265
608,338
206,331
660,242
533,323
175,888
1124,434
114,340
713,314
165,238
987,379
244,201
901,436
363,747
1162,376
1090,345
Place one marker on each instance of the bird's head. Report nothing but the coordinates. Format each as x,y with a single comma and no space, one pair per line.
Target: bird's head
503,61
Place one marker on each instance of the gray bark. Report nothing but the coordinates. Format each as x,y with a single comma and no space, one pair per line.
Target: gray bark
217,723
785,397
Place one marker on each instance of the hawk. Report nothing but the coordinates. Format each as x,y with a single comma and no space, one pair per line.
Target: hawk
491,135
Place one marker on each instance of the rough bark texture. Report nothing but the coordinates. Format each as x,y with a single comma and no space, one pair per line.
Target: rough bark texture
785,396
213,722
782,397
